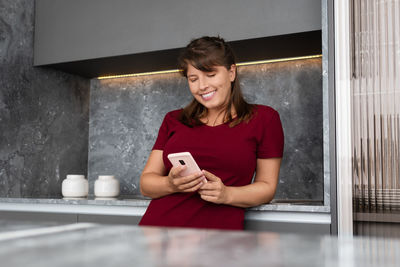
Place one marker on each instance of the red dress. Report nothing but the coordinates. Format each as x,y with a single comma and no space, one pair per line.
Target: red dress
229,153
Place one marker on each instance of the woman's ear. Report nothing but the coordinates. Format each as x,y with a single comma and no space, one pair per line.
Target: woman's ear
232,72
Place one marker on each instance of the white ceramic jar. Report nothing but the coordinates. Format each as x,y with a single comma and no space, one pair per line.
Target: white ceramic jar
106,186
75,186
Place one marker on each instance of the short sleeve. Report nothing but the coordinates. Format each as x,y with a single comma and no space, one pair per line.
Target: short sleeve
272,140
162,135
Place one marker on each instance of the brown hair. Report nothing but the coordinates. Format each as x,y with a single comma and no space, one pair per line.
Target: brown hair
205,53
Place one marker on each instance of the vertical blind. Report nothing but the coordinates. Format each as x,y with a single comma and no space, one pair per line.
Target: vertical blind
375,90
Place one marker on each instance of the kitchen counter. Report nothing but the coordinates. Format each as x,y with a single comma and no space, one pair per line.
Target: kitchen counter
131,201
299,216
7,226
140,201
99,245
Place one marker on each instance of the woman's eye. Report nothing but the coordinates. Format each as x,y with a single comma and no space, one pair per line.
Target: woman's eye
211,75
192,80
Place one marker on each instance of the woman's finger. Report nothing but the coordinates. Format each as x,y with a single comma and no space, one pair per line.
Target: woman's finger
193,189
175,171
189,178
210,176
209,198
208,186
193,183
208,192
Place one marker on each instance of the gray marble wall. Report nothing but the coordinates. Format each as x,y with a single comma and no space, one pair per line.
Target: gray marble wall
125,115
43,113
44,118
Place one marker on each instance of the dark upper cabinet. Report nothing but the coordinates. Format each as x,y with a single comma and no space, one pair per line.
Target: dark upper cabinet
102,37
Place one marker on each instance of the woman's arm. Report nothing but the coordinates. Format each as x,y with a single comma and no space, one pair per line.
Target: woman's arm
154,184
261,191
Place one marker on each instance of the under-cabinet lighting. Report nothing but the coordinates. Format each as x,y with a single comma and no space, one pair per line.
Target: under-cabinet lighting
137,74
276,60
238,64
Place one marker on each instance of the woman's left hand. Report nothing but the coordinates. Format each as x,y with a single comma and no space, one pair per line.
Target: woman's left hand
214,190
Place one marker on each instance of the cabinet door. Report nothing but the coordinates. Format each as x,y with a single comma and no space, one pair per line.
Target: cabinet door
288,227
109,219
38,216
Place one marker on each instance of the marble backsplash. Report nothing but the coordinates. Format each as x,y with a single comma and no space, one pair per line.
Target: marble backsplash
46,133
125,114
44,113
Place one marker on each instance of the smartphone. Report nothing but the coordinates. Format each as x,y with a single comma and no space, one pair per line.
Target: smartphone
184,158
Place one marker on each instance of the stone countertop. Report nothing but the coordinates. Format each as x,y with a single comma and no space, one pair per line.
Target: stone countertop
133,201
7,226
142,202
95,245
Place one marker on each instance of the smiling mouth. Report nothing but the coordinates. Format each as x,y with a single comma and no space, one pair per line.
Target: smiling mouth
208,95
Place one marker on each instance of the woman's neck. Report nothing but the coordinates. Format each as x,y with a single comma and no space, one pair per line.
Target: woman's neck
215,117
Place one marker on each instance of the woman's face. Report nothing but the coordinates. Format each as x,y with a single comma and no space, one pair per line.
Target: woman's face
211,89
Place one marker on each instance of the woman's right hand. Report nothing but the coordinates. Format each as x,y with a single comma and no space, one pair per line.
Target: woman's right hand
184,184
155,184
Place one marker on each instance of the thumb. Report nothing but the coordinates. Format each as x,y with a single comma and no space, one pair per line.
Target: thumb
178,169
210,176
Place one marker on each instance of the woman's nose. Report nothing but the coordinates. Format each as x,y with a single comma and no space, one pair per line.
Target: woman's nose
203,84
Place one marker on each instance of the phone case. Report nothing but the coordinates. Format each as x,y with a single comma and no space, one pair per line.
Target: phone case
184,158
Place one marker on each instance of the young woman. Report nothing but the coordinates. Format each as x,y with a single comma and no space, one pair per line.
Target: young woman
230,140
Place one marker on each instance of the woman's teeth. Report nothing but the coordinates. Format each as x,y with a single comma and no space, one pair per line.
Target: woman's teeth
208,95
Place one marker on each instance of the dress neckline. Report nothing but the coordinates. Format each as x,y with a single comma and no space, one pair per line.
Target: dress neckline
216,126
220,125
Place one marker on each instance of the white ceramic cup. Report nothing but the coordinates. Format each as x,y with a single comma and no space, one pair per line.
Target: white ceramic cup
106,186
75,186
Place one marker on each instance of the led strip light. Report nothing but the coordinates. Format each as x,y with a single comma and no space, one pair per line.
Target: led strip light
238,64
